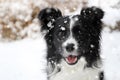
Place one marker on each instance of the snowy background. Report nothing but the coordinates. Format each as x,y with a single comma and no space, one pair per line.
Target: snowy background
23,49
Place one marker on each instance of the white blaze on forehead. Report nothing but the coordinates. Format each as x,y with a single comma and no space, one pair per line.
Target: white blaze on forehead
72,21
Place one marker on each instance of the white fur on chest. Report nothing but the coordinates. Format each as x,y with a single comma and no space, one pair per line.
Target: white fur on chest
76,72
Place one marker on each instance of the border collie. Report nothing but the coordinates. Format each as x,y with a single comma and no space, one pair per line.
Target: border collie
73,44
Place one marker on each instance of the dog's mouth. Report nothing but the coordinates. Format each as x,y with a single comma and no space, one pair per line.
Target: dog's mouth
71,59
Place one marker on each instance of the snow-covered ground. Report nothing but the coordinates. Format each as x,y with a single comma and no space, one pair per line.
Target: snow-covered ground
23,60
111,54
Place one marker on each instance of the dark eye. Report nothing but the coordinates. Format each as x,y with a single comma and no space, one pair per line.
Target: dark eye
77,30
61,33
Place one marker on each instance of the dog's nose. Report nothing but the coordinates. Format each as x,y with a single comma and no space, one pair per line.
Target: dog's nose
70,47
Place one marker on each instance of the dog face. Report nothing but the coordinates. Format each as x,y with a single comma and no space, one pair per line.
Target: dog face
64,39
70,37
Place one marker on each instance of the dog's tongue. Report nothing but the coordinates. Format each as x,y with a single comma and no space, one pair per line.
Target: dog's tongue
71,59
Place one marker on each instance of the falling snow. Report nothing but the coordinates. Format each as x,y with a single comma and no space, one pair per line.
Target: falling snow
50,25
65,21
62,28
92,46
48,10
76,18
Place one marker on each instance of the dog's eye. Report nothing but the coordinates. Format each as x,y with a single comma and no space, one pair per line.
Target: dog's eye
76,30
61,34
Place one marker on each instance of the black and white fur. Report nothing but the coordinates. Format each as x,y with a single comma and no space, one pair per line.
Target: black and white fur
73,44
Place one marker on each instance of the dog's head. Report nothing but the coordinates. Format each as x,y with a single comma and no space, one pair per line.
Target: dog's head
70,37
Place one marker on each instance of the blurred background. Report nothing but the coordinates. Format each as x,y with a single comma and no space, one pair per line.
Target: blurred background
22,47
18,18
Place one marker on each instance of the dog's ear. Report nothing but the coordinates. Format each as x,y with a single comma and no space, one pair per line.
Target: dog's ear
47,16
92,13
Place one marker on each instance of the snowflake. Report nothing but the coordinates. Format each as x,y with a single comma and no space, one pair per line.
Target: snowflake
48,10
62,28
92,46
65,21
76,18
50,24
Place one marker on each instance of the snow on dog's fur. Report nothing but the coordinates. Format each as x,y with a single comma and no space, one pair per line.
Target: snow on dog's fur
73,44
